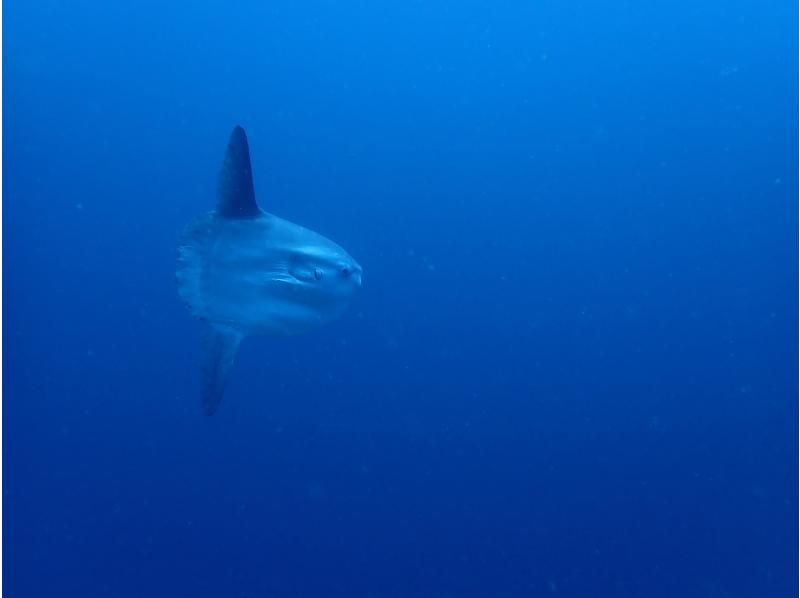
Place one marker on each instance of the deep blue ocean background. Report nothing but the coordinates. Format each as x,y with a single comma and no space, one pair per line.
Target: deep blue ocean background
571,369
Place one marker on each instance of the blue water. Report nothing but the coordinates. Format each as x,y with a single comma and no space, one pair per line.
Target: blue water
571,369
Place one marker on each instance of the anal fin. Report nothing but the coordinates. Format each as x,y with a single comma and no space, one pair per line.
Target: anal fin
222,345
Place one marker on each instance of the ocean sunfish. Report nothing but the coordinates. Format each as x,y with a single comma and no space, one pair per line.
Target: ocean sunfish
246,272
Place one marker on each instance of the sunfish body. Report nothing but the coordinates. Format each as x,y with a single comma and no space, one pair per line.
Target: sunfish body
247,272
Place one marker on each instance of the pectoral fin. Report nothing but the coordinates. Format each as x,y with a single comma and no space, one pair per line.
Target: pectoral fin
222,345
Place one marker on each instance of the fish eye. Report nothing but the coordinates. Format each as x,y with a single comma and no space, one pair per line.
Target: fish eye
345,271
317,274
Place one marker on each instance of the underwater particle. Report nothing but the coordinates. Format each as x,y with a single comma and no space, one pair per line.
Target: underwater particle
315,490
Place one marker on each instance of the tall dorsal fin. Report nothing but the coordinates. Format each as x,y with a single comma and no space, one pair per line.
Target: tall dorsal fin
235,195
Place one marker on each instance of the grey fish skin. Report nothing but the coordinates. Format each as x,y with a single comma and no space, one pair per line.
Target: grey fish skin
246,272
